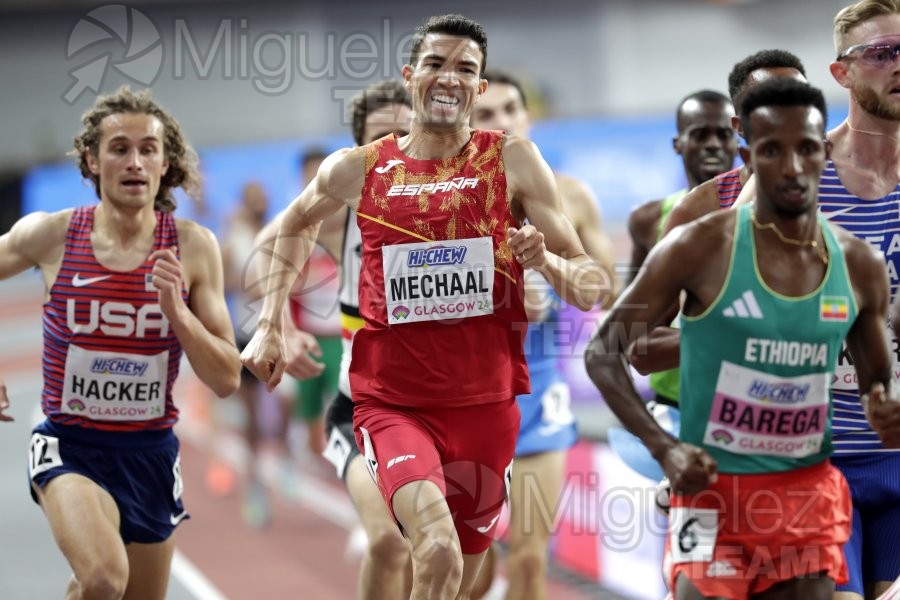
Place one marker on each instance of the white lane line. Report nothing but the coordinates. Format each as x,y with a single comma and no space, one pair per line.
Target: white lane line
193,580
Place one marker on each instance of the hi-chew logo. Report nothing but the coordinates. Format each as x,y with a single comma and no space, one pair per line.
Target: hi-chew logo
778,393
119,366
436,256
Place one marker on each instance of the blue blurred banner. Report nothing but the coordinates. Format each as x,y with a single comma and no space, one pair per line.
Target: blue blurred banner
625,161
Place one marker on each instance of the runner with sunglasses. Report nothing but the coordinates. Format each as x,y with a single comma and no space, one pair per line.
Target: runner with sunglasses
860,190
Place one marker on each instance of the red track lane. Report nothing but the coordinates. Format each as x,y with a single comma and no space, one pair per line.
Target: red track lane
298,555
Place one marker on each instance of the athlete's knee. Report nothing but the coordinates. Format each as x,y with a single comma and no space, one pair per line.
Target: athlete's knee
104,580
438,557
388,549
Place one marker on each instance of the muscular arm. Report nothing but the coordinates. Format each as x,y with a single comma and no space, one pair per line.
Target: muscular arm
36,240
338,183
867,340
684,260
658,351
700,201
300,347
563,262
642,228
203,326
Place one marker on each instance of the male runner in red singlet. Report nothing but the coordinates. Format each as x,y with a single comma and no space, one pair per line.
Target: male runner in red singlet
436,369
129,289
381,109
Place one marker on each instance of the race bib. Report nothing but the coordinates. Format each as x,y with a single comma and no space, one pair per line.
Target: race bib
434,281
845,373
114,386
692,534
337,450
758,413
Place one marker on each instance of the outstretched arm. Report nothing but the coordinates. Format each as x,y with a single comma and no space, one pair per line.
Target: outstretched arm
671,266
338,183
550,244
301,348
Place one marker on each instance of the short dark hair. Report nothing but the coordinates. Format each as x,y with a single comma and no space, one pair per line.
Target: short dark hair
507,78
780,91
374,97
457,25
711,96
764,59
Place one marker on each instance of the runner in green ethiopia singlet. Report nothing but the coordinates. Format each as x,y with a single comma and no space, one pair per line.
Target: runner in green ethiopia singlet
756,366
665,383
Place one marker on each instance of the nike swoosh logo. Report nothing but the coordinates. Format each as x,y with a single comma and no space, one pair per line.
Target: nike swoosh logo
176,519
836,213
77,281
390,165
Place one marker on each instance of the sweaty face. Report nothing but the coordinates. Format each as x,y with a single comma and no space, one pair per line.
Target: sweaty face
393,118
446,80
501,107
706,140
788,154
130,160
875,88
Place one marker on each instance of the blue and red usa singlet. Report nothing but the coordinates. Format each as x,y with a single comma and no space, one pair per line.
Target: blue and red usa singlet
439,290
729,186
110,355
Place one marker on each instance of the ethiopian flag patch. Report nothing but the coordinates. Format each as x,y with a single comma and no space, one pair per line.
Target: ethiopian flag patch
834,308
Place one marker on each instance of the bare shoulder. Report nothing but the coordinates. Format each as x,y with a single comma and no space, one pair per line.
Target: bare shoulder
705,236
342,174
41,235
194,238
518,151
700,201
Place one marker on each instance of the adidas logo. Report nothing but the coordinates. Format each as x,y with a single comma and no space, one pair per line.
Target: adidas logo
720,568
744,307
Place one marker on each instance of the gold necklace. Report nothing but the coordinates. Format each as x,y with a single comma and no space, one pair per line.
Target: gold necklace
881,133
820,250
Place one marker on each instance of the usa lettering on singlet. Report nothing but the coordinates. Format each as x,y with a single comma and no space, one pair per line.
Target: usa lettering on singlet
110,356
441,290
878,223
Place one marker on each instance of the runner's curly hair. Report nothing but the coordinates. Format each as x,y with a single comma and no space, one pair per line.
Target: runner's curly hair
183,171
